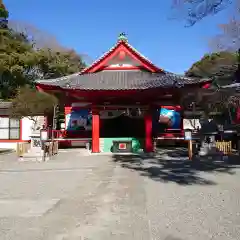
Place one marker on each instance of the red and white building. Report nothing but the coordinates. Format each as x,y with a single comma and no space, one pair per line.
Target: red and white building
122,81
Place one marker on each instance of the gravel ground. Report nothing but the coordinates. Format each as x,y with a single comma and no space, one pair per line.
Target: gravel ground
118,197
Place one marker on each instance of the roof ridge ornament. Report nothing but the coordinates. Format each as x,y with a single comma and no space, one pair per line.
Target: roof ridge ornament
122,37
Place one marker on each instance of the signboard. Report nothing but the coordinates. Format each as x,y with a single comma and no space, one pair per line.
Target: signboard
36,142
44,135
188,135
191,124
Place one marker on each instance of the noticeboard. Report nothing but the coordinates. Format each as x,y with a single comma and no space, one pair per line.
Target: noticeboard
188,135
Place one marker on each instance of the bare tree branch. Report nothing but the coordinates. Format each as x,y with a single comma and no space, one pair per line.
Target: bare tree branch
195,10
229,38
40,39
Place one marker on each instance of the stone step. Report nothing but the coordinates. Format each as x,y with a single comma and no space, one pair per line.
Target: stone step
32,159
33,154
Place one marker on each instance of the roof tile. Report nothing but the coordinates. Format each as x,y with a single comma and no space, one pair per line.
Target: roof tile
120,80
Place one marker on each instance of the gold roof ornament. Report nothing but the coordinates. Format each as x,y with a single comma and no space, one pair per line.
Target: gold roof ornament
122,37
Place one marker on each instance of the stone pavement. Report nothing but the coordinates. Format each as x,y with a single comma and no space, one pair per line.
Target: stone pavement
77,197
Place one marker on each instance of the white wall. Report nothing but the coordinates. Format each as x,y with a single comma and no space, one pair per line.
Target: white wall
8,145
27,129
27,125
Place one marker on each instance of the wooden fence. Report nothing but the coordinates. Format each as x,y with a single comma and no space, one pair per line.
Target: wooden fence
224,147
23,148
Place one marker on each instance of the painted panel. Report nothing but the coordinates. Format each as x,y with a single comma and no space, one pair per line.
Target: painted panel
79,120
170,118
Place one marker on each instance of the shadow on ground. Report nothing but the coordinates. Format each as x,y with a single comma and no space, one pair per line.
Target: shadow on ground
172,165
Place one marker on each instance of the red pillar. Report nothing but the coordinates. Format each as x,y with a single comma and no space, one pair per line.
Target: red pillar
67,110
95,131
148,132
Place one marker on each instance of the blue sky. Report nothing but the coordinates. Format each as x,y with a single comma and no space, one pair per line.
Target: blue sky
91,27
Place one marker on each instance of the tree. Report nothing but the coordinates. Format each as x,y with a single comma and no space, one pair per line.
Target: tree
195,10
38,38
24,57
54,60
53,64
229,38
219,66
17,59
29,102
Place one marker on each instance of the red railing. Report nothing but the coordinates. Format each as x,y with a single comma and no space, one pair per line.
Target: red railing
65,134
58,134
82,134
176,134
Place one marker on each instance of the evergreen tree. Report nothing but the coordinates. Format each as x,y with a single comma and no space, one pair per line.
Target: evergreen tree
221,67
21,62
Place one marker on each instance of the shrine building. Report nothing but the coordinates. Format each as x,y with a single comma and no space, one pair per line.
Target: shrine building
122,101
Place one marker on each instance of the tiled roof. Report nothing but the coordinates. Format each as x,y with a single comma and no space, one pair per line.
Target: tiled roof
120,80
233,86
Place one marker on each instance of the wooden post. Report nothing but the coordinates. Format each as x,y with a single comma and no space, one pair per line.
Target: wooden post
190,149
188,137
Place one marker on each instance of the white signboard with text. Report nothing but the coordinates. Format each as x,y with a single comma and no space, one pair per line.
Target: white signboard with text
191,124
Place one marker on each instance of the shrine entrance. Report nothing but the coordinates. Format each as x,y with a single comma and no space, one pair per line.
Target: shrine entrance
122,123
122,128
